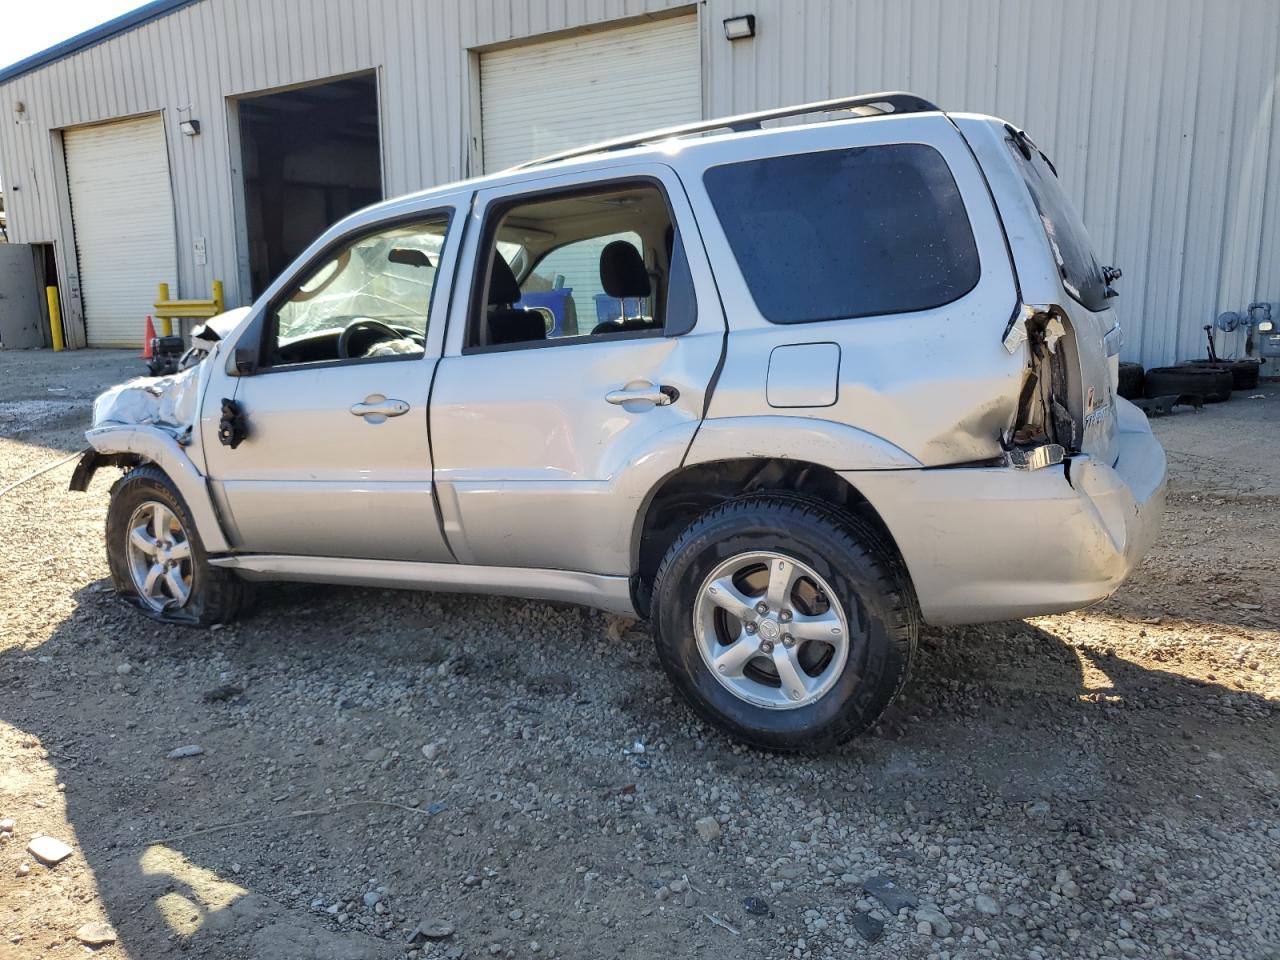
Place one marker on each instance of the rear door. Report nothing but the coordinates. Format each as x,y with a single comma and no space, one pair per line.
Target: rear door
546,445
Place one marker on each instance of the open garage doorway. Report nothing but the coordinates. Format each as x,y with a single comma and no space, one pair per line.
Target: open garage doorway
310,156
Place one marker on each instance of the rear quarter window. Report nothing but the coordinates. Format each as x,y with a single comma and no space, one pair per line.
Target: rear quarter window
1068,239
847,233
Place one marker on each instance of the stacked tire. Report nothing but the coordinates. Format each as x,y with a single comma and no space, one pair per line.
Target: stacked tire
1132,379
1244,373
1209,383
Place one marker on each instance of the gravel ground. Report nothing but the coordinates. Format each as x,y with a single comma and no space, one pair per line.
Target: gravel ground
380,774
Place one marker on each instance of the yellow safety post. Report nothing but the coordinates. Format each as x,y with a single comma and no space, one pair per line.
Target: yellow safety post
167,309
166,325
55,318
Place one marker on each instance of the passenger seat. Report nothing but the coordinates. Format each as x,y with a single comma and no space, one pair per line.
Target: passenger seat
506,323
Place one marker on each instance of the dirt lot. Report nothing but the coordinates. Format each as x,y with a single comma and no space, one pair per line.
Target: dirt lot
1105,783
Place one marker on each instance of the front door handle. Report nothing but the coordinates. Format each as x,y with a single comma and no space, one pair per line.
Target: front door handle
660,396
375,408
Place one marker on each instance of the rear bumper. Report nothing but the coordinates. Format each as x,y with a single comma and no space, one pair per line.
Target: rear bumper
992,543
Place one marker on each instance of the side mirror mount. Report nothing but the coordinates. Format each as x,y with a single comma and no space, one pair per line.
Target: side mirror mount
246,361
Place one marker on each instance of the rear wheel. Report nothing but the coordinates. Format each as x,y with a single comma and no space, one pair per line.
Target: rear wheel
785,622
157,558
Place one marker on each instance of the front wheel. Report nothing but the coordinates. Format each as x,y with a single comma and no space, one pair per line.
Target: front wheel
157,558
784,621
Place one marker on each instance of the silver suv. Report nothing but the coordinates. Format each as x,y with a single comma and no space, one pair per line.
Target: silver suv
785,391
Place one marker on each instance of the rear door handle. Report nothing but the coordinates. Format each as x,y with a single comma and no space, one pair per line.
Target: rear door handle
660,396
375,408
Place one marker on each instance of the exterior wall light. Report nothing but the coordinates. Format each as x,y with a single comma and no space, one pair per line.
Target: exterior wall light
190,127
740,28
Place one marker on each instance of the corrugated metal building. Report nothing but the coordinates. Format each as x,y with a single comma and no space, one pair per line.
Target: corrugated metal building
1160,115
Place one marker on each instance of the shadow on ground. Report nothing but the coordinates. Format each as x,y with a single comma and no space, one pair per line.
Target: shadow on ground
291,708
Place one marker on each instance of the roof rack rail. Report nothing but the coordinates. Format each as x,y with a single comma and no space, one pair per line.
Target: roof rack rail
868,104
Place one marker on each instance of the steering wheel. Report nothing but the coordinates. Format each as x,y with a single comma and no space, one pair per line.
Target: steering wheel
385,331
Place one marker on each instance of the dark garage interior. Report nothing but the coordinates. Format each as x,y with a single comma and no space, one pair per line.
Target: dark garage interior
310,156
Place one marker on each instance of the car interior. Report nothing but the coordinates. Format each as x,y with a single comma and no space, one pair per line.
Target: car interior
575,266
370,299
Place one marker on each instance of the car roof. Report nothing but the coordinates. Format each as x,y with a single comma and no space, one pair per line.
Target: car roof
687,138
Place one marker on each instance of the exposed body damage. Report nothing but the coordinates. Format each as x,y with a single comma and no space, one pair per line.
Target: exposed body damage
155,420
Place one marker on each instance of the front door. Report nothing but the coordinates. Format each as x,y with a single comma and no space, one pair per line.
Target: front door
576,371
337,459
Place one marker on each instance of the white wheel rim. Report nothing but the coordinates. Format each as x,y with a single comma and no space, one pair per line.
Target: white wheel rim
159,554
770,630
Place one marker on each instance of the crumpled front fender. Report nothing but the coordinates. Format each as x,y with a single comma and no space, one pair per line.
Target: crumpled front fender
159,447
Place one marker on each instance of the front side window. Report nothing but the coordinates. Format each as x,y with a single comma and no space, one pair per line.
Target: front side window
372,298
847,233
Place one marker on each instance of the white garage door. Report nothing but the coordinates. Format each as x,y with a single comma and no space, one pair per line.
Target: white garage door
543,97
122,208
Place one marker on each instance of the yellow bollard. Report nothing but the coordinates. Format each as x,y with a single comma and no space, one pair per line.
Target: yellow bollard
166,325
217,298
55,318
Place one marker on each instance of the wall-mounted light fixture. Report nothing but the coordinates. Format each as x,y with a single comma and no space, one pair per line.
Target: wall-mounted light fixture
740,28
190,127
19,111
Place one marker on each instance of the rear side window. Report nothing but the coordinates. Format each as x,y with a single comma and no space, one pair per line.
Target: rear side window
1081,276
847,233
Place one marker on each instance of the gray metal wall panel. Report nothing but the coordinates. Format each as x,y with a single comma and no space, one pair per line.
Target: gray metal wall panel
1161,114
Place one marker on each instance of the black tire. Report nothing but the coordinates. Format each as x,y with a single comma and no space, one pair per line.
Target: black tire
1244,373
1131,381
863,570
1212,386
216,596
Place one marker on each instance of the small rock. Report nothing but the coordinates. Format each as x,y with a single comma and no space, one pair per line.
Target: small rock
431,750
220,694
985,904
708,829
756,906
516,914
1038,809
890,894
372,898
190,750
7,825
868,927
679,886
375,755
96,934
124,669
24,868
924,929
1127,947
48,850
938,924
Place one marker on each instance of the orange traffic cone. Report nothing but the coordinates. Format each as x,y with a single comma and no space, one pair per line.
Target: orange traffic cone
150,335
